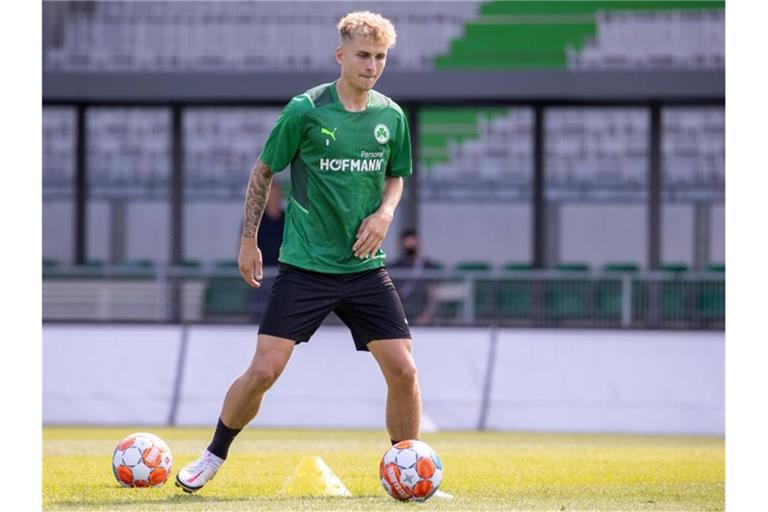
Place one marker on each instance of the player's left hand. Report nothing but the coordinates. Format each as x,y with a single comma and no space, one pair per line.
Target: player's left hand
371,234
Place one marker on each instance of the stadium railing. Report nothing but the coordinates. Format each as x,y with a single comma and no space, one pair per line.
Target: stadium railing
569,296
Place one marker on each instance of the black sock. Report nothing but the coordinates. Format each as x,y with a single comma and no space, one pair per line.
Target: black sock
222,438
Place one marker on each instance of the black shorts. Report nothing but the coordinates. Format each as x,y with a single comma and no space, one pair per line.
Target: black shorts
366,302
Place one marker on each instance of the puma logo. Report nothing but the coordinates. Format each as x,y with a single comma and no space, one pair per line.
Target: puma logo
331,134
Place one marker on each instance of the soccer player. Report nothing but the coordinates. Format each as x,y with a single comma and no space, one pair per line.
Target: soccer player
348,147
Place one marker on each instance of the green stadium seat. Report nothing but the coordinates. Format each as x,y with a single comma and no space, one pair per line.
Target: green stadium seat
608,291
190,268
514,295
676,268
568,298
503,39
226,297
674,292
484,288
515,266
142,268
608,298
91,269
622,266
710,300
710,295
50,268
226,264
140,263
442,126
473,266
572,267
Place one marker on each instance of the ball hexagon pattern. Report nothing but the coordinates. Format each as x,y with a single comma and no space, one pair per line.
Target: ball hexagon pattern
411,471
142,460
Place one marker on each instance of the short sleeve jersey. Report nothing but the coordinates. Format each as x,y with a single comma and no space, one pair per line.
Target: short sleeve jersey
339,161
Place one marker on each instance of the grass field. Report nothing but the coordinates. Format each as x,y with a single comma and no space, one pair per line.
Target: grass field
485,471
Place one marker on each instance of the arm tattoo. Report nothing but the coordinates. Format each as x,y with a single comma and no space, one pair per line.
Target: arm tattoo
256,198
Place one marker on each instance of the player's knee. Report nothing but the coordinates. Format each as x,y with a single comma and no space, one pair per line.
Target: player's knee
403,375
260,377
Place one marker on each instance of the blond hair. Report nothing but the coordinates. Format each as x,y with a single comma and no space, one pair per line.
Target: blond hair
367,24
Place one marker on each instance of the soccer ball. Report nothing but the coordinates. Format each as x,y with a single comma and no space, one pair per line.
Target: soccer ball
142,460
411,471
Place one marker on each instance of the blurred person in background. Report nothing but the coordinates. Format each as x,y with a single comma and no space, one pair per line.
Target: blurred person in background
419,295
270,239
271,227
349,149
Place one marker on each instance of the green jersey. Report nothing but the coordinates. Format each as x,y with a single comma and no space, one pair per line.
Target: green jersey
338,161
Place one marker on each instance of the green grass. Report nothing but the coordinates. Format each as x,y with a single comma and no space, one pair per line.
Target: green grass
485,471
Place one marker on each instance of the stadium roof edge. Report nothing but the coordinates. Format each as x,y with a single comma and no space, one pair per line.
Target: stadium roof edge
438,87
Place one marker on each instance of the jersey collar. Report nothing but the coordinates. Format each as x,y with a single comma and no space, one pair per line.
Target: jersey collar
335,96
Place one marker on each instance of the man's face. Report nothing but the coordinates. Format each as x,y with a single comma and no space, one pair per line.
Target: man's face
362,61
410,245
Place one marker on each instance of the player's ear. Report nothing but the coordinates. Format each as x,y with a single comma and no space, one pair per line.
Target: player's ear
339,54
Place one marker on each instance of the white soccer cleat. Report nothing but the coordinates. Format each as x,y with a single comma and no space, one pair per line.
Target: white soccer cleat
194,476
442,495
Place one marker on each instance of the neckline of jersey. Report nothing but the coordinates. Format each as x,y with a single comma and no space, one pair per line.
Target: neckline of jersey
335,95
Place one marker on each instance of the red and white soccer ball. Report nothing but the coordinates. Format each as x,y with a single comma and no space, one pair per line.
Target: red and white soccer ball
142,460
411,471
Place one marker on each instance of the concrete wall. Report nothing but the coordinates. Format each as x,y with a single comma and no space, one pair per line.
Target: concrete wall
108,375
717,242
677,229
594,234
602,233
58,223
545,380
638,381
496,233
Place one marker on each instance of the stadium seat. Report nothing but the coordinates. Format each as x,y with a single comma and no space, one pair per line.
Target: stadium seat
50,268
710,295
91,269
190,267
623,266
716,267
572,267
226,298
710,300
675,292
217,36
608,291
675,268
515,266
484,288
473,266
596,35
568,298
137,264
141,268
226,264
514,295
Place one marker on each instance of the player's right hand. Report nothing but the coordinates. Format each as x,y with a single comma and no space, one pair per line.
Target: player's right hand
249,262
